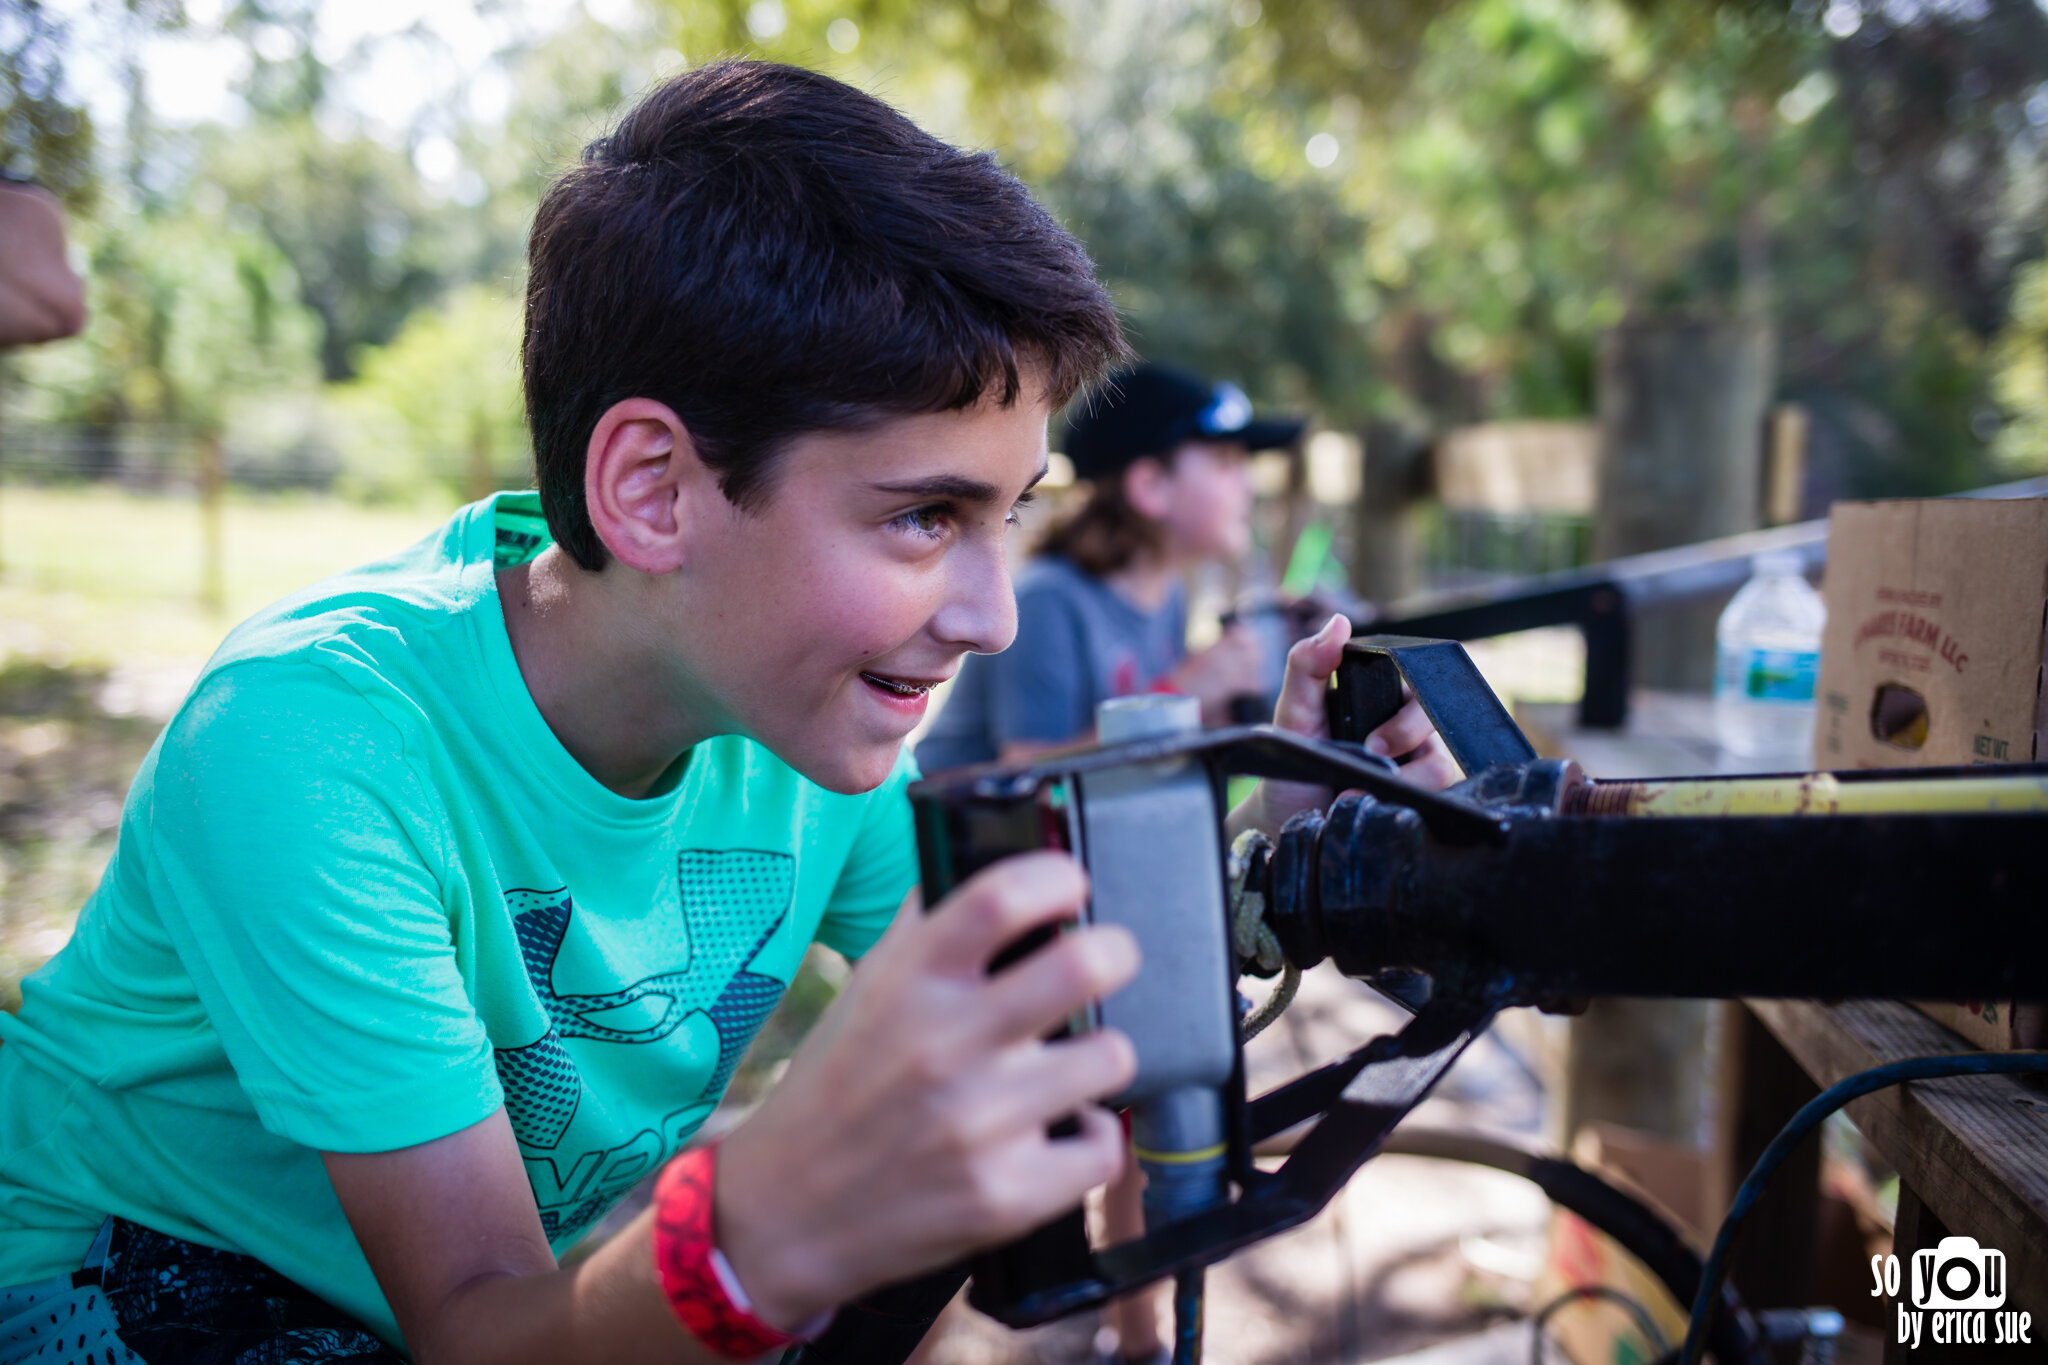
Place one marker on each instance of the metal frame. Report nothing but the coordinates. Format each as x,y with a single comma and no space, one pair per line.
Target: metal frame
1531,885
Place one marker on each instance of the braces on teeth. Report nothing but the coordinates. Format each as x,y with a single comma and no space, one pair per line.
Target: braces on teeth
901,689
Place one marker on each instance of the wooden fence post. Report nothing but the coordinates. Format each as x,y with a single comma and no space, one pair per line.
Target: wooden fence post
212,589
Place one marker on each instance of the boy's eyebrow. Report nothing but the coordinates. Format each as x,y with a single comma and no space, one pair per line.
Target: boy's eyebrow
956,487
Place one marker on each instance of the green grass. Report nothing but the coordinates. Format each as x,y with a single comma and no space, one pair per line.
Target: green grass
101,631
99,576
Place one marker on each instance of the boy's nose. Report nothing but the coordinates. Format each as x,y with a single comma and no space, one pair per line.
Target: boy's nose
979,612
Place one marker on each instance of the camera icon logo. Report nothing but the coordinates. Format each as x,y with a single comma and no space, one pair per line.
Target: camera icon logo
1957,1273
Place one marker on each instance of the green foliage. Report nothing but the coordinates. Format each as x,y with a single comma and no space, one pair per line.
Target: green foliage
1223,247
1525,173
367,243
970,69
437,411
2021,359
193,320
1426,210
43,135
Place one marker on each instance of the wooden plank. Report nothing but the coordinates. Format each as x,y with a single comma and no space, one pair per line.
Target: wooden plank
1974,1148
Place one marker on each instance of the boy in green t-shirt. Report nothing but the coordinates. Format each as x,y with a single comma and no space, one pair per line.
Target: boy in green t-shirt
447,902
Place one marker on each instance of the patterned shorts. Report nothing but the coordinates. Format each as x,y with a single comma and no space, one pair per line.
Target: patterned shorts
142,1298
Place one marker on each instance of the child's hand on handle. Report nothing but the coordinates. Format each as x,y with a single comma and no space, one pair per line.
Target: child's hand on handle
1407,735
910,1128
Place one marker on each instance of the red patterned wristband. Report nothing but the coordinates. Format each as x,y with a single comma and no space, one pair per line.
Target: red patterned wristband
699,1286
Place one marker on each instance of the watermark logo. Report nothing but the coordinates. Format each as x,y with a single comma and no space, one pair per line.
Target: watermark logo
1957,1296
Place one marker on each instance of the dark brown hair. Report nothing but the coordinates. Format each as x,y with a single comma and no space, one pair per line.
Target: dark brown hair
769,252
1105,533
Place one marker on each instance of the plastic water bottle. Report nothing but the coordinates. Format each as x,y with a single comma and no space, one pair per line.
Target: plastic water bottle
1766,657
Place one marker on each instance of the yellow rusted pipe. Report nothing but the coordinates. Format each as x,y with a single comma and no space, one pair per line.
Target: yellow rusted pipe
1813,794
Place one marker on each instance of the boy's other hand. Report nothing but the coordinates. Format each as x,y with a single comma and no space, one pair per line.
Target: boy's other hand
910,1127
1407,736
1234,666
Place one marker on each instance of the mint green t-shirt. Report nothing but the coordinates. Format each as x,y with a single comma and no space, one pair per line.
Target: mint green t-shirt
362,896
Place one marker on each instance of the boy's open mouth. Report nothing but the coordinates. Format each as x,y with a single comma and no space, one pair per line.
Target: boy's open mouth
897,686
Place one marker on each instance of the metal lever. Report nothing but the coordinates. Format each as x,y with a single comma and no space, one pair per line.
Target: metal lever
1475,726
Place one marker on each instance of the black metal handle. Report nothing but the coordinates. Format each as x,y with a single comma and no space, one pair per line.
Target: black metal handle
1473,723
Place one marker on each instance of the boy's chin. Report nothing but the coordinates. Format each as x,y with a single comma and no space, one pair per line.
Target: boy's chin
853,770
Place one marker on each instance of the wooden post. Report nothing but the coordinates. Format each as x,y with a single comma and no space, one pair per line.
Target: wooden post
1682,406
1383,552
1762,1087
1638,1063
1785,465
212,593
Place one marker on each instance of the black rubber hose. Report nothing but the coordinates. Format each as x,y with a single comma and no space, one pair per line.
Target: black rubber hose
1810,1117
885,1327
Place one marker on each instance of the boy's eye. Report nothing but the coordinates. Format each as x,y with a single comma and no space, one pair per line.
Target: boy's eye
925,521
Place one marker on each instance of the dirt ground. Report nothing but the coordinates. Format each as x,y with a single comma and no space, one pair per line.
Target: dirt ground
71,739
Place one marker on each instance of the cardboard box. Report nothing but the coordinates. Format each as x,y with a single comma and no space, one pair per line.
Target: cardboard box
1993,1025
1937,632
1933,655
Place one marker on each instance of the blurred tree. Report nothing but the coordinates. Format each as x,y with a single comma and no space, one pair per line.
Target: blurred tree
193,311
2022,374
1868,174
191,315
1225,250
438,410
1427,209
368,244
970,69
44,135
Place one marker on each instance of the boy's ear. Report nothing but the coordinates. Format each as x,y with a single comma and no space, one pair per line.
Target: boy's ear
1146,486
641,476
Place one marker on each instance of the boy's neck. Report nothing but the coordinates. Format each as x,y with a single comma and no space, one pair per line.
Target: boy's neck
606,699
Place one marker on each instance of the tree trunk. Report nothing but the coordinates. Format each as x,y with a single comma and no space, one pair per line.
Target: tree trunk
1383,567
1682,406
